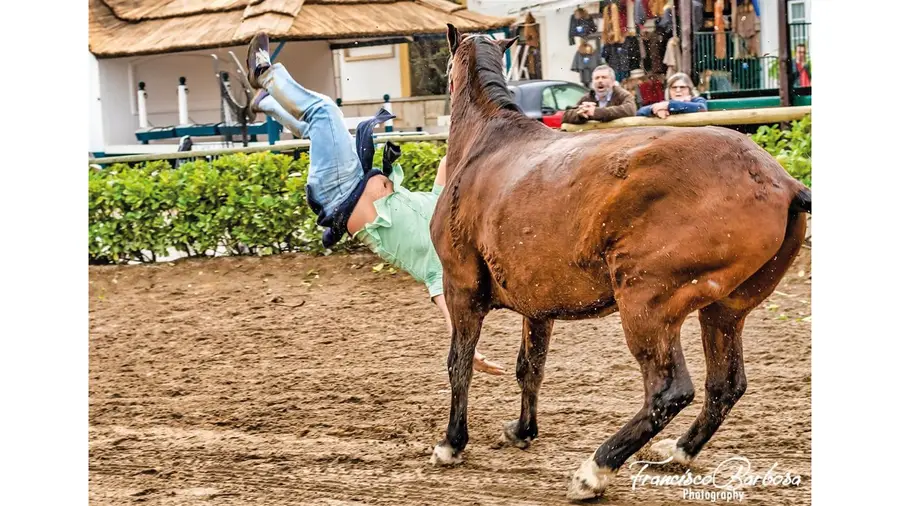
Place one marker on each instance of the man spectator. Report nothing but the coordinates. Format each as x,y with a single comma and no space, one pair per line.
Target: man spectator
802,70
605,101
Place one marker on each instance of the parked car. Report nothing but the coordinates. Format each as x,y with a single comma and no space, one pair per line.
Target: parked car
545,100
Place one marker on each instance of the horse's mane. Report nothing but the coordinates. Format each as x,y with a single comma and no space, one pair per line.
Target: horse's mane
490,74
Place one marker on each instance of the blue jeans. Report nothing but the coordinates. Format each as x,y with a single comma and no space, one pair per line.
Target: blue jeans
334,166
270,106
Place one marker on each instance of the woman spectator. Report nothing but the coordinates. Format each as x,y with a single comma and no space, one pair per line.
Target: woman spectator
681,98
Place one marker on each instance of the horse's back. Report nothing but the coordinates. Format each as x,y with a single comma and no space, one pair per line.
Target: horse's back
623,167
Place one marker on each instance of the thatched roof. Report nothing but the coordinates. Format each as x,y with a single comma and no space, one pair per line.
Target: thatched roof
129,27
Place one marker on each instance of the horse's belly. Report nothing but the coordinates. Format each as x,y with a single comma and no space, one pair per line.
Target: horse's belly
561,291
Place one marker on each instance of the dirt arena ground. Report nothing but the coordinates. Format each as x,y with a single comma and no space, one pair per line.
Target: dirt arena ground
210,383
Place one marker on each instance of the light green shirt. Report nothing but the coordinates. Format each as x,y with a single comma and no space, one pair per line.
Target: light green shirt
401,234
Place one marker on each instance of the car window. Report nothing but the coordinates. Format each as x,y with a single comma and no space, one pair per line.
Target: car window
547,100
566,96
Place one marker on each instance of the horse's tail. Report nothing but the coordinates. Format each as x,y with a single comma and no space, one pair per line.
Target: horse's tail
802,201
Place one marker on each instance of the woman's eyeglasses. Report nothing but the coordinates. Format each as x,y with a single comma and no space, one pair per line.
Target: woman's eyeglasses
679,87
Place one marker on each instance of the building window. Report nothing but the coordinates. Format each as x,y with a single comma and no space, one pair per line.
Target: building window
428,67
797,11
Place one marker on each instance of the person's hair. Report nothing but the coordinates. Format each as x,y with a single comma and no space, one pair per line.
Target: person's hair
680,76
612,73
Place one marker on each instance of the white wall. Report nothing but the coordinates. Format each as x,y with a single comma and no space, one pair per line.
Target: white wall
95,111
556,53
116,94
498,8
768,26
370,79
309,62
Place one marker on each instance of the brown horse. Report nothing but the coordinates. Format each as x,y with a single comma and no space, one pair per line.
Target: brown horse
652,222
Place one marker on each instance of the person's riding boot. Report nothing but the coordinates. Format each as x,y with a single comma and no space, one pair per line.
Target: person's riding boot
254,105
258,58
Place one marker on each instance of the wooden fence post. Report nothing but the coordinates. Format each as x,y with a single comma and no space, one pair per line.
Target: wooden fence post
784,56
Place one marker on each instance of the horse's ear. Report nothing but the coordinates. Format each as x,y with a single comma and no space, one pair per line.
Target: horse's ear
452,37
507,43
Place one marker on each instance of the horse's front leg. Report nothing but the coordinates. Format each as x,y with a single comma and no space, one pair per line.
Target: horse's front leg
467,321
530,374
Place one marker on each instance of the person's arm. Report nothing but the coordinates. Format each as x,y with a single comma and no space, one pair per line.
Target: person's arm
696,105
571,30
647,110
441,178
611,112
571,115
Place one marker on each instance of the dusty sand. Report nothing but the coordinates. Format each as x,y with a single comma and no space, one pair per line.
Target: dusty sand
204,391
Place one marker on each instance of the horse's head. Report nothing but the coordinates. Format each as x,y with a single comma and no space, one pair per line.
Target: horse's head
477,88
463,62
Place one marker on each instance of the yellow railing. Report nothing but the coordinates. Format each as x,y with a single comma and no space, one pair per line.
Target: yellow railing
736,117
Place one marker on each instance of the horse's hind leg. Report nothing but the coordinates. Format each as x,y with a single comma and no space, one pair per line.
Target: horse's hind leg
654,339
530,374
721,328
722,324
467,317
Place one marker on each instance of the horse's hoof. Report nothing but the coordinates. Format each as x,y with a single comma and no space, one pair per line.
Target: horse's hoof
668,449
589,481
444,455
510,437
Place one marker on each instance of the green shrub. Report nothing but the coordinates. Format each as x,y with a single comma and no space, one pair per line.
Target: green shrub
239,204
792,148
420,162
256,204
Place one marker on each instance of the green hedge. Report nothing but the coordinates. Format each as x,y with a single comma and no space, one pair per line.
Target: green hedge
792,148
255,204
242,204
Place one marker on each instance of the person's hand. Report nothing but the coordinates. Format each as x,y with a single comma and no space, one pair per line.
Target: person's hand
660,106
484,365
586,109
660,109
